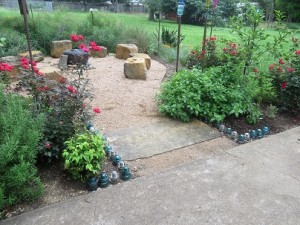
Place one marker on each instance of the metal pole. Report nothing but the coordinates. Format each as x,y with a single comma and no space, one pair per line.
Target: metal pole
178,42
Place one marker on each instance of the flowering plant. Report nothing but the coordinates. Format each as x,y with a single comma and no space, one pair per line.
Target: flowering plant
5,68
286,76
78,39
65,103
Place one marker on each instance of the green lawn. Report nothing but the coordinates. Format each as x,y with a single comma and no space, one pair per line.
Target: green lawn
193,34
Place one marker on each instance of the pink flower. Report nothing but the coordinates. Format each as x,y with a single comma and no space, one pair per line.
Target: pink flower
215,3
80,37
233,46
6,67
281,61
212,38
81,46
297,52
71,89
96,48
283,85
233,53
62,80
255,70
92,43
271,66
290,69
33,63
85,49
97,110
47,145
74,38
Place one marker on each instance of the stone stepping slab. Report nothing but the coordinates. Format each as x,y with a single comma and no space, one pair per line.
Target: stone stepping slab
159,137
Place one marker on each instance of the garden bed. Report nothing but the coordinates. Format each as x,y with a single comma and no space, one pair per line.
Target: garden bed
59,186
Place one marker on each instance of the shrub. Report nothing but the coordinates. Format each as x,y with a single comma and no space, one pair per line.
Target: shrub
19,135
169,37
15,43
83,155
212,94
286,78
66,104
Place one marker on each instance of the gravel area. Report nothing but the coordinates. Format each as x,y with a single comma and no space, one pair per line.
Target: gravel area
124,102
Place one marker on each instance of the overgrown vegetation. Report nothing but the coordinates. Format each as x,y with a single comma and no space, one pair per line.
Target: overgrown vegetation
19,135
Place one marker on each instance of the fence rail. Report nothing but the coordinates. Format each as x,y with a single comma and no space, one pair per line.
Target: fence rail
37,5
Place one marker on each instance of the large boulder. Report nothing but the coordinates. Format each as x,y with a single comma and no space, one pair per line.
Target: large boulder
135,68
58,47
37,56
142,56
123,50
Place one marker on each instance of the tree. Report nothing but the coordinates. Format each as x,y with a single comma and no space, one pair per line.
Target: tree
290,7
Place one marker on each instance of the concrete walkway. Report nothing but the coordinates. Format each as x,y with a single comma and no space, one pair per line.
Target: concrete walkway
256,183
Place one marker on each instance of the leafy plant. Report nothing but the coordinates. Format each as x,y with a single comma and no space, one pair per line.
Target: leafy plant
19,135
271,111
169,37
212,94
83,155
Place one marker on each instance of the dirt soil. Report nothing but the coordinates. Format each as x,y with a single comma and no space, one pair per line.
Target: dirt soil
127,103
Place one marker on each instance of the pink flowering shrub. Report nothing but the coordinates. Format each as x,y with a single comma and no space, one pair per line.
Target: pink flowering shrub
64,102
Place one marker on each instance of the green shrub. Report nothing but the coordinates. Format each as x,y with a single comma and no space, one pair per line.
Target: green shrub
169,37
19,135
84,155
15,43
138,36
212,94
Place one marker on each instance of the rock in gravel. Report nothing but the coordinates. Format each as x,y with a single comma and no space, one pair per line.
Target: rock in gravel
123,50
135,68
37,56
58,47
142,56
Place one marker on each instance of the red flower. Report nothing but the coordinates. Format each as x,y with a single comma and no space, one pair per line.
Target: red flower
6,67
255,70
281,61
74,38
280,70
71,89
290,69
81,46
47,145
233,46
92,43
284,85
97,110
297,52
212,38
85,49
96,48
62,80
203,52
271,66
233,53
80,37
33,63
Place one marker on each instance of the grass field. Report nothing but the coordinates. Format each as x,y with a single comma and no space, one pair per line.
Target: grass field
193,34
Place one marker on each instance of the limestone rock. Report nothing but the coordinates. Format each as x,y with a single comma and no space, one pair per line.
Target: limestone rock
52,73
36,55
135,68
99,54
63,62
58,47
123,50
142,56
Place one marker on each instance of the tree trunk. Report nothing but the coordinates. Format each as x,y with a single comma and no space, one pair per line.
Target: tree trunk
151,14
